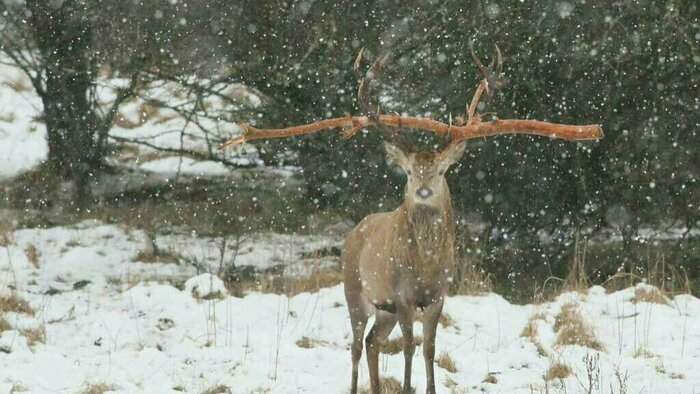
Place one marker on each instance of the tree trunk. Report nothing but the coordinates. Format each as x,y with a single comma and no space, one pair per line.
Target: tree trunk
64,36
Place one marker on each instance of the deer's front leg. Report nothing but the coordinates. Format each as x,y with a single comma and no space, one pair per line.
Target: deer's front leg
431,316
405,315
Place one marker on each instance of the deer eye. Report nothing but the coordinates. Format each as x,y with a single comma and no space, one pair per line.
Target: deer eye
408,172
441,172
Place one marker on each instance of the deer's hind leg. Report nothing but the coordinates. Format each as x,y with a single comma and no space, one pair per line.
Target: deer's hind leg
358,319
383,325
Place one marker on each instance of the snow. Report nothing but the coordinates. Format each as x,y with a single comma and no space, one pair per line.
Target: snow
185,165
22,137
23,144
205,286
135,328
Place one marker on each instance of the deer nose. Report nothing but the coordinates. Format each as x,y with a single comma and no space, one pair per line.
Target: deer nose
423,192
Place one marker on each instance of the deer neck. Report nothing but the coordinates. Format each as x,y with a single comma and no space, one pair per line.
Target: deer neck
429,229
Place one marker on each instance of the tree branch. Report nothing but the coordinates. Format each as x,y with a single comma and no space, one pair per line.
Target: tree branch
351,124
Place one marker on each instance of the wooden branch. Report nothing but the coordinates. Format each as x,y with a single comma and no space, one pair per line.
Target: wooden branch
472,130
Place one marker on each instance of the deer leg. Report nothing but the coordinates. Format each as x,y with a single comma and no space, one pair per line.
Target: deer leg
358,320
381,329
431,316
406,322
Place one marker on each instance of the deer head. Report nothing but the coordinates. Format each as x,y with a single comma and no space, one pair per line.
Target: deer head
425,171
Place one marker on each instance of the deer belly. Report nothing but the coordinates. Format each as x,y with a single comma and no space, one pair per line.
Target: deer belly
417,295
385,292
377,289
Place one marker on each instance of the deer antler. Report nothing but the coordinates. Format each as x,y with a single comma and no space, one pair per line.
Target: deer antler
473,128
491,81
364,99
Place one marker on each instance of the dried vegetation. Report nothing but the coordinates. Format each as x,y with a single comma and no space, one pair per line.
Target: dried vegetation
446,362
386,386
97,388
557,370
573,330
13,303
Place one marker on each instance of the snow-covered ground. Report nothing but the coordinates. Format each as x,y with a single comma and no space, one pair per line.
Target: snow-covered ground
22,137
130,328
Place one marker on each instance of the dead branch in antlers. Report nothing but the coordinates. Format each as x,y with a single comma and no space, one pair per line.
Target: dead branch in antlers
474,127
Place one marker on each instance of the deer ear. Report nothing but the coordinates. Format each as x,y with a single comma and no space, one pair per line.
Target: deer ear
452,154
396,155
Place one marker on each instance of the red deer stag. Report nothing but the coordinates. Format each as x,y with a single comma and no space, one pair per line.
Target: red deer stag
395,262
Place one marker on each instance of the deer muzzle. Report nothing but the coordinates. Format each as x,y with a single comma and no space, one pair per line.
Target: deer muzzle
424,192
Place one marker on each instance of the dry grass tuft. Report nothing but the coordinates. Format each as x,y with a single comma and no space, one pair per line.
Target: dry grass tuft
34,335
577,279
386,386
4,324
530,332
643,352
277,283
32,255
309,343
446,320
661,368
490,378
446,362
12,303
470,278
667,279
650,295
98,388
17,388
572,330
156,255
6,236
453,386
395,346
218,389
214,295
557,370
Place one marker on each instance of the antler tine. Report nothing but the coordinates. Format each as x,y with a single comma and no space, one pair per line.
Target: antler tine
492,79
476,58
363,97
499,59
495,71
356,64
373,71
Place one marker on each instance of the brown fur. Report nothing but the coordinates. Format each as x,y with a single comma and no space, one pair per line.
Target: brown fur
395,262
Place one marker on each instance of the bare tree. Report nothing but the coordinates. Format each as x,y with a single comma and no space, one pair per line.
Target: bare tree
62,48
52,43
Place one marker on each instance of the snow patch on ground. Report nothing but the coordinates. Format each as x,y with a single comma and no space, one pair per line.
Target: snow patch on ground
184,165
22,136
206,286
